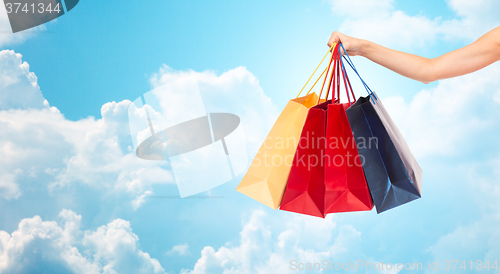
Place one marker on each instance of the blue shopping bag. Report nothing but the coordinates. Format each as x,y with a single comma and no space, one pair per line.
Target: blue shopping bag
392,173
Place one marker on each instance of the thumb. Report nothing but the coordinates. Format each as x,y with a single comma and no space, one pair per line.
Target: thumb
334,38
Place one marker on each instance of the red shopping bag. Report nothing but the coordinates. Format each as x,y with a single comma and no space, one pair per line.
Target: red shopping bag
305,189
346,188
318,182
345,184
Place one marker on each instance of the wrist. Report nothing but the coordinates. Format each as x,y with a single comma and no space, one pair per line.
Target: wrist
365,47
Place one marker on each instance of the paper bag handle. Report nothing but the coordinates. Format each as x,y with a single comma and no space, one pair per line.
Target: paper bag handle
339,67
329,50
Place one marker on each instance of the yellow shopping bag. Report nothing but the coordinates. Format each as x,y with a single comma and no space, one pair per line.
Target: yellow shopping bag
266,178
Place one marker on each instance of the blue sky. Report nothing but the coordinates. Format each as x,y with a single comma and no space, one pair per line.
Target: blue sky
99,45
68,171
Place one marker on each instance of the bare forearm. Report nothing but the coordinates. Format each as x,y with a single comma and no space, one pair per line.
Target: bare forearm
458,62
408,65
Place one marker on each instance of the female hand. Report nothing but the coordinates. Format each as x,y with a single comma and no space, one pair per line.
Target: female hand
352,45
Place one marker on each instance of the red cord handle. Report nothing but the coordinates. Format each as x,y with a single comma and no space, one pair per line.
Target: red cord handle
334,81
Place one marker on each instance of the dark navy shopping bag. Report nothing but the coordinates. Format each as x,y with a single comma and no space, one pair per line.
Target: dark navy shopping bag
392,173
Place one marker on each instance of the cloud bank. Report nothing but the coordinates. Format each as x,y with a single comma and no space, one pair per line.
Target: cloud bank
381,22
39,245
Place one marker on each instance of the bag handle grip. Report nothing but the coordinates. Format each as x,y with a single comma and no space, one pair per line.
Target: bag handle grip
351,64
338,68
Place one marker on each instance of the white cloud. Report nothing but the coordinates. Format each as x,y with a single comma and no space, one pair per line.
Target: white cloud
475,18
381,22
38,141
476,239
180,250
138,201
115,246
9,189
87,151
362,8
269,247
457,116
38,244
18,85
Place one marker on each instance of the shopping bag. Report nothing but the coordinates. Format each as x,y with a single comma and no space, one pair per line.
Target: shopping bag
390,182
411,164
392,173
315,185
346,188
326,176
267,176
305,189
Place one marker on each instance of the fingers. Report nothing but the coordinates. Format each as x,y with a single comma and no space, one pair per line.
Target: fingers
334,38
350,44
